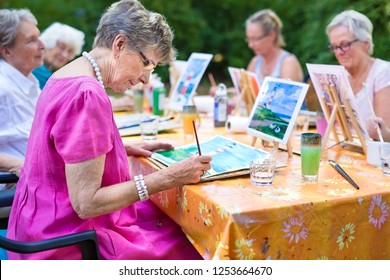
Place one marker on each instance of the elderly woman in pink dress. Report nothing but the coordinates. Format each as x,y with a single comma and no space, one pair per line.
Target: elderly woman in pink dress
76,175
350,36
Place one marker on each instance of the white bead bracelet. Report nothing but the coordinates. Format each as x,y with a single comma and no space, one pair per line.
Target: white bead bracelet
141,187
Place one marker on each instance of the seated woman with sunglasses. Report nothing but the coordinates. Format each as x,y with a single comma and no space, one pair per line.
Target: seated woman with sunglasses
350,36
76,173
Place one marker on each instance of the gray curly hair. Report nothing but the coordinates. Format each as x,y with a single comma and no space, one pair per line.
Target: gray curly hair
144,29
358,24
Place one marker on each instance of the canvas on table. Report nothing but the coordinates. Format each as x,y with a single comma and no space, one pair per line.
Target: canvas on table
188,81
276,109
334,77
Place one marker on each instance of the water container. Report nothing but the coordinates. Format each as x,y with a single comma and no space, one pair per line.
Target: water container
158,98
220,106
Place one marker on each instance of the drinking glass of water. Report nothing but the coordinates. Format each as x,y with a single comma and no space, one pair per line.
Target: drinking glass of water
149,128
262,171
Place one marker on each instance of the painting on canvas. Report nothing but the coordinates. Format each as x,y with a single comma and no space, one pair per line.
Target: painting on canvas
235,75
188,81
276,109
325,76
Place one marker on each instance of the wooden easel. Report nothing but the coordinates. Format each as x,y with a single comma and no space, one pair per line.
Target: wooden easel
247,94
275,146
341,113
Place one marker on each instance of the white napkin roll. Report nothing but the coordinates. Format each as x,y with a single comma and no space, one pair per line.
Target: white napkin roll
236,124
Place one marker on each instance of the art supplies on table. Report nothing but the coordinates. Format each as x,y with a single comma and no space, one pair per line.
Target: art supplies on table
230,158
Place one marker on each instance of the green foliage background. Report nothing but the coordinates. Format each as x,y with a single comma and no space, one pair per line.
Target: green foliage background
217,26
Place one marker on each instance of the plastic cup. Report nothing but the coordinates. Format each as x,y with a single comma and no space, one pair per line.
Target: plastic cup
190,114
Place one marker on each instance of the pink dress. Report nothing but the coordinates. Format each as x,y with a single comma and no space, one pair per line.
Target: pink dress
74,123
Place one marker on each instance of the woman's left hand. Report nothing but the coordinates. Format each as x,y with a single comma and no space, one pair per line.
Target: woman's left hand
145,149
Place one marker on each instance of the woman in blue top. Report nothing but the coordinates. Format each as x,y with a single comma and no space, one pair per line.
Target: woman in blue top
264,37
62,43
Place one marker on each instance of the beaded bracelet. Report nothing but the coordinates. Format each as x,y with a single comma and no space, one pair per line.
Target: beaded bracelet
141,187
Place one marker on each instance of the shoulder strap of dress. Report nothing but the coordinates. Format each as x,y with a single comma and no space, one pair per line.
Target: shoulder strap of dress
259,63
277,70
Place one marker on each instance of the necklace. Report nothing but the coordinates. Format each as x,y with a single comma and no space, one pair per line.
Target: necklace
95,67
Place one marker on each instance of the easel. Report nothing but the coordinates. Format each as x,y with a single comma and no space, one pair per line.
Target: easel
275,146
341,113
247,94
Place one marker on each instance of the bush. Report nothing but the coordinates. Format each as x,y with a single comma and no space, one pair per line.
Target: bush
217,26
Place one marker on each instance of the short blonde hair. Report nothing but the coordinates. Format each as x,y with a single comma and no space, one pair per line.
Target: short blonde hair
65,33
269,21
357,23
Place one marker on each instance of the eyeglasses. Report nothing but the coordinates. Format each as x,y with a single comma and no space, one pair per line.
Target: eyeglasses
255,39
343,47
149,64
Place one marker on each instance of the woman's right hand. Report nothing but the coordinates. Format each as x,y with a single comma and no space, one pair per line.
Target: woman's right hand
189,170
374,124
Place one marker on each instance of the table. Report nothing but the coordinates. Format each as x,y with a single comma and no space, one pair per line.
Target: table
329,219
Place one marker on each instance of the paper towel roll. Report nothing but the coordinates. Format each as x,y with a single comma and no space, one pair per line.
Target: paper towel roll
236,124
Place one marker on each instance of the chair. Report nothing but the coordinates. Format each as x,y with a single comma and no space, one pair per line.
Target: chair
7,196
86,240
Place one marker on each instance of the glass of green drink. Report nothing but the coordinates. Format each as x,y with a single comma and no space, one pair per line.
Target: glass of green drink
310,155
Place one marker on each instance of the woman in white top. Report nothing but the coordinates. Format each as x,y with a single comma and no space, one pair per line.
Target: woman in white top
264,37
350,36
20,52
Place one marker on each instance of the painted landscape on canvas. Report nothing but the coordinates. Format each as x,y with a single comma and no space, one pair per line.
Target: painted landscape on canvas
276,108
228,155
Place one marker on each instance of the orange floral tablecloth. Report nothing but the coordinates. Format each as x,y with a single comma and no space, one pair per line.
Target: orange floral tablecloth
330,219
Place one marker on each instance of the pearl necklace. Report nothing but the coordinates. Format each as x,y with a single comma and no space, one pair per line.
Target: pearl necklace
95,67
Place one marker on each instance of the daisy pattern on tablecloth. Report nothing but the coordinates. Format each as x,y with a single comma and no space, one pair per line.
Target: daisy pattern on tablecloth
378,211
341,192
295,229
323,258
205,214
221,248
346,236
281,194
222,213
182,200
244,249
163,199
